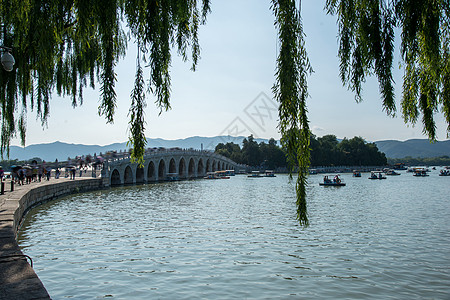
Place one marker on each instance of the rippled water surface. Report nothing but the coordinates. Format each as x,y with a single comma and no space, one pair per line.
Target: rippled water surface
239,238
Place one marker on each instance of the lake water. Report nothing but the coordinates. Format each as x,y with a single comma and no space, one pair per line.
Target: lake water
239,238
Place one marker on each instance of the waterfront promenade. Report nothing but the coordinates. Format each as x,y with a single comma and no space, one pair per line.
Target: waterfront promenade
17,277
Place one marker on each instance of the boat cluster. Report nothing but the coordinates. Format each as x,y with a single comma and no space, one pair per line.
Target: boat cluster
227,173
258,174
417,171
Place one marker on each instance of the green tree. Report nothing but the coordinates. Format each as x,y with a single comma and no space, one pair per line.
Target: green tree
272,155
251,152
65,45
315,148
357,151
230,150
328,153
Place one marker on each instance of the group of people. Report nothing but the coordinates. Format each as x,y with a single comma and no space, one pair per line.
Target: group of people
376,176
445,172
27,175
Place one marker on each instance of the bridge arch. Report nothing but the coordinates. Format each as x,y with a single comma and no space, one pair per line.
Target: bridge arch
182,168
128,176
191,168
172,166
200,168
208,166
115,177
151,173
162,170
140,174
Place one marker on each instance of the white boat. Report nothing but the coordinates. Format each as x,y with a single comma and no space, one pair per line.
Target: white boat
255,174
230,172
420,172
376,175
391,172
222,175
313,171
211,175
172,177
335,182
269,173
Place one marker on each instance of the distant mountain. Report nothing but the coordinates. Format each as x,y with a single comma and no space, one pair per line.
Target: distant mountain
414,148
61,151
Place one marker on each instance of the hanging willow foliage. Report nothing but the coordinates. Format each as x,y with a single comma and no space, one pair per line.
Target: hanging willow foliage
291,91
366,35
137,121
64,45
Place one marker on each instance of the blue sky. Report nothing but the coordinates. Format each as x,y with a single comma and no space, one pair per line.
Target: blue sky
230,93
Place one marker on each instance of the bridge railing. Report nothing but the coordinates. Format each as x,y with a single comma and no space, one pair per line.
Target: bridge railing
156,153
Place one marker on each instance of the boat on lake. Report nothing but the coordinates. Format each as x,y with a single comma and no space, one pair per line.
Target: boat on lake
414,169
313,171
255,174
230,172
335,182
399,166
391,172
356,173
172,177
376,175
211,175
222,175
445,172
419,172
269,173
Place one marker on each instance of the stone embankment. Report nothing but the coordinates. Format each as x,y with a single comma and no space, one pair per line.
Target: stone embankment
17,277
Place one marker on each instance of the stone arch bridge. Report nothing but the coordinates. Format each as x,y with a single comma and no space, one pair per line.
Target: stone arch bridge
164,165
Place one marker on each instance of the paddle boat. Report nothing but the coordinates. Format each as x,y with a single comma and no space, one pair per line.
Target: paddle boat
335,182
313,171
222,175
420,172
172,177
356,173
230,172
444,172
391,172
269,173
211,175
376,175
255,174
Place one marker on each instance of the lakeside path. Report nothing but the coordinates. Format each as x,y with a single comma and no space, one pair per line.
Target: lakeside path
17,277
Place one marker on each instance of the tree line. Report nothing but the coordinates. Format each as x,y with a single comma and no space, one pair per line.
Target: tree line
325,151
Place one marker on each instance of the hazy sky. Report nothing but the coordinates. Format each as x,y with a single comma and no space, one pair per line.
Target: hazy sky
230,93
